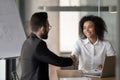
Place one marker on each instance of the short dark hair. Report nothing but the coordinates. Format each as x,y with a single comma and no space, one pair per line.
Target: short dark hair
100,26
38,19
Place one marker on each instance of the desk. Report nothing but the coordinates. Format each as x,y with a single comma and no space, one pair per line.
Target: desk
76,74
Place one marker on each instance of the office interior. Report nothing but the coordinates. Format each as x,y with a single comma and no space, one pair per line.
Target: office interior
64,16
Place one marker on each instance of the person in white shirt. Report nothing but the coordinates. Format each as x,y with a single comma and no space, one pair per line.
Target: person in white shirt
92,48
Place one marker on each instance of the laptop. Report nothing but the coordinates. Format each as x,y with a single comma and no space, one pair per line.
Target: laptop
108,69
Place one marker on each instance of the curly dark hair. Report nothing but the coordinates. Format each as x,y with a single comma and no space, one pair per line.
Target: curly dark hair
100,26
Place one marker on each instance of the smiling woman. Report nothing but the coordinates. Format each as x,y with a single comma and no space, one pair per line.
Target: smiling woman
89,30
73,30
93,48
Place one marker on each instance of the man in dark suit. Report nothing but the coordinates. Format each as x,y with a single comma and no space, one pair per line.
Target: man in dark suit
35,55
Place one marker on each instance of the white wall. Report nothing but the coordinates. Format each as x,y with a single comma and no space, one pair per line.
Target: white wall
2,70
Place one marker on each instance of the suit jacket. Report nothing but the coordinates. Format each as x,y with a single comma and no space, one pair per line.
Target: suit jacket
35,57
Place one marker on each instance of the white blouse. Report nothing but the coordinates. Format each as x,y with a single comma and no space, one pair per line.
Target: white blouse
92,55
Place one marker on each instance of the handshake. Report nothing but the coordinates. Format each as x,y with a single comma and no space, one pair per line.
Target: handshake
74,58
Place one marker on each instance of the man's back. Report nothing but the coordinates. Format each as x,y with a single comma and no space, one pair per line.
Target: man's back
32,69
35,57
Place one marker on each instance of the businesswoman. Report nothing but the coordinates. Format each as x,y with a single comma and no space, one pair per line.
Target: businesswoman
91,49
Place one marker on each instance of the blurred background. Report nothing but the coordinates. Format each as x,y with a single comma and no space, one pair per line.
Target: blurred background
64,16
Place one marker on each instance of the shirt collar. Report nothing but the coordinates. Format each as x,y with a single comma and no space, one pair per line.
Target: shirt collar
38,36
88,42
35,35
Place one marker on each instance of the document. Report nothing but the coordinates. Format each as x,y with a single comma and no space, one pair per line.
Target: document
80,78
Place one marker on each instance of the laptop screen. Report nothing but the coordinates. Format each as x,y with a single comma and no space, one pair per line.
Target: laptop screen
109,67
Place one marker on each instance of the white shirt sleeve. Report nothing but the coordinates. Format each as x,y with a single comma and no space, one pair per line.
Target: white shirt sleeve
109,48
76,49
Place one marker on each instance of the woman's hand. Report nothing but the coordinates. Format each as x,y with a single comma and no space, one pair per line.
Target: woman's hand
99,67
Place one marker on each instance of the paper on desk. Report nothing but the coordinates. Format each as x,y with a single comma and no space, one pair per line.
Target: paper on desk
95,72
80,78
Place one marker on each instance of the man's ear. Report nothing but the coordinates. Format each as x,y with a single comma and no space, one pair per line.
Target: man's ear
42,29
